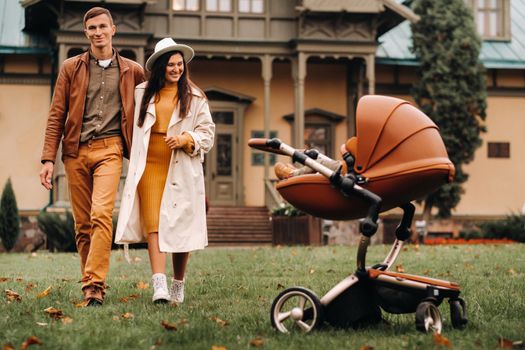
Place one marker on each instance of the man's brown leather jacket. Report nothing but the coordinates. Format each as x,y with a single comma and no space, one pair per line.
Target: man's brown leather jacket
67,107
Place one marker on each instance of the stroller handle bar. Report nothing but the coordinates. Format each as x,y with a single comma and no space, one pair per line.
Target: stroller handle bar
346,184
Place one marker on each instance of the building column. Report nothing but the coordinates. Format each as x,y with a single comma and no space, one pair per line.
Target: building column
140,55
266,73
352,74
299,75
371,74
62,55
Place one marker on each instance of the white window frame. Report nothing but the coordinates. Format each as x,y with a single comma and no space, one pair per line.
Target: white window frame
186,5
220,6
492,19
251,6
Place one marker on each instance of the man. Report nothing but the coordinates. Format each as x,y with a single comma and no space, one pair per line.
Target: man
92,113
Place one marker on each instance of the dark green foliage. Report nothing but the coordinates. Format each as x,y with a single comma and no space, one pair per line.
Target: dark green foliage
59,229
9,217
60,232
451,85
512,227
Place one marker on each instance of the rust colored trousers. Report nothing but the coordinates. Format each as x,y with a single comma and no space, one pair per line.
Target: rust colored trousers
93,180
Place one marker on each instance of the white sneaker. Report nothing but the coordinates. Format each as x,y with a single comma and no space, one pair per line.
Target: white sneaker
177,291
160,288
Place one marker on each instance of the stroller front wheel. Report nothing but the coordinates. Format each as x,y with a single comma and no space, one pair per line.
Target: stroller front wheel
296,307
428,318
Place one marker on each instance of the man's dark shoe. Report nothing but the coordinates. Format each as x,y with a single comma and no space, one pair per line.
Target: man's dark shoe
93,295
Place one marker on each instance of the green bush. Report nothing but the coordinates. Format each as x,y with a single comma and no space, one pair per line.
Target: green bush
60,232
59,229
9,217
512,227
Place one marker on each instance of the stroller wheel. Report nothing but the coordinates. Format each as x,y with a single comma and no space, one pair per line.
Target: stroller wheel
428,318
296,307
458,313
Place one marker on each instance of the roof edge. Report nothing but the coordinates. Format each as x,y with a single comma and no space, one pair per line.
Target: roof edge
402,10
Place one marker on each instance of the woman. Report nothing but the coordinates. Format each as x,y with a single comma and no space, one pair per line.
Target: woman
163,200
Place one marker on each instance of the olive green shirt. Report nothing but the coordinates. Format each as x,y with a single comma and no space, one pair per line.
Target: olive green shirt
102,111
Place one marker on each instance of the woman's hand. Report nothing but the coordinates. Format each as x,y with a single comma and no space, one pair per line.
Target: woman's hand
184,141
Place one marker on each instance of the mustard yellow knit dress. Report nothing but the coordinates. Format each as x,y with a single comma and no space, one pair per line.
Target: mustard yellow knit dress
151,185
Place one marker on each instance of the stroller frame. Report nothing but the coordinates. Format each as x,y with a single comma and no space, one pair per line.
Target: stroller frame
367,289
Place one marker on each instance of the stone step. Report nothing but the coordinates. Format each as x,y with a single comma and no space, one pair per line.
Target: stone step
238,226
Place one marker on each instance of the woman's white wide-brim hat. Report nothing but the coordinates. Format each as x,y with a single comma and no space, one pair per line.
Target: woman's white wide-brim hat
169,45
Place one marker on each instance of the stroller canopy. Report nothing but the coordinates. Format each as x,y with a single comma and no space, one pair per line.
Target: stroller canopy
394,137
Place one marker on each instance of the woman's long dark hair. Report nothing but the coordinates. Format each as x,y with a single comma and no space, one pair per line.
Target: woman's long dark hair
157,80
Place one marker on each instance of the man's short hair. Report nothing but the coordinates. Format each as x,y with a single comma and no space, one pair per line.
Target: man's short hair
97,11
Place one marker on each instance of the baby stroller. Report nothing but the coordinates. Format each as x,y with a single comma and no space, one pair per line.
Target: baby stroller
396,157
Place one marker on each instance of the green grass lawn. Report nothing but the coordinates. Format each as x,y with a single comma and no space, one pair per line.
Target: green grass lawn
229,293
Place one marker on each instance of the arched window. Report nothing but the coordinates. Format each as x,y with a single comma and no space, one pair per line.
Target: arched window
319,129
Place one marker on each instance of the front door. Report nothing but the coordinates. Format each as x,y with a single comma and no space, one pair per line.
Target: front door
222,170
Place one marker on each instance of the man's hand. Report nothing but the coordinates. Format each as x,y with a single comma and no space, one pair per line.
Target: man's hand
184,141
46,174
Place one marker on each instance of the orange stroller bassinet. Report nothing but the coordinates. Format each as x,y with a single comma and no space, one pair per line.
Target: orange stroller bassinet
396,157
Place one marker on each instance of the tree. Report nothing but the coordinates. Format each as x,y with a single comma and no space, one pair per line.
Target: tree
451,87
9,217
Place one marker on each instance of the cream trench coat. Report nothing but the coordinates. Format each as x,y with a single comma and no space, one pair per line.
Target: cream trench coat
182,221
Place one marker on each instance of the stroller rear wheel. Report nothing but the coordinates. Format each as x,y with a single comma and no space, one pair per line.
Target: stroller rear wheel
296,307
458,313
428,318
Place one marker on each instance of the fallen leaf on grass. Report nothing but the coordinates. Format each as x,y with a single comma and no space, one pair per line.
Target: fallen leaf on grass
83,303
504,343
441,340
168,326
218,347
127,315
4,279
257,342
279,286
142,285
400,268
512,272
54,313
220,322
12,296
67,320
366,347
136,259
115,318
30,341
181,322
311,271
29,287
8,346
45,293
126,299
